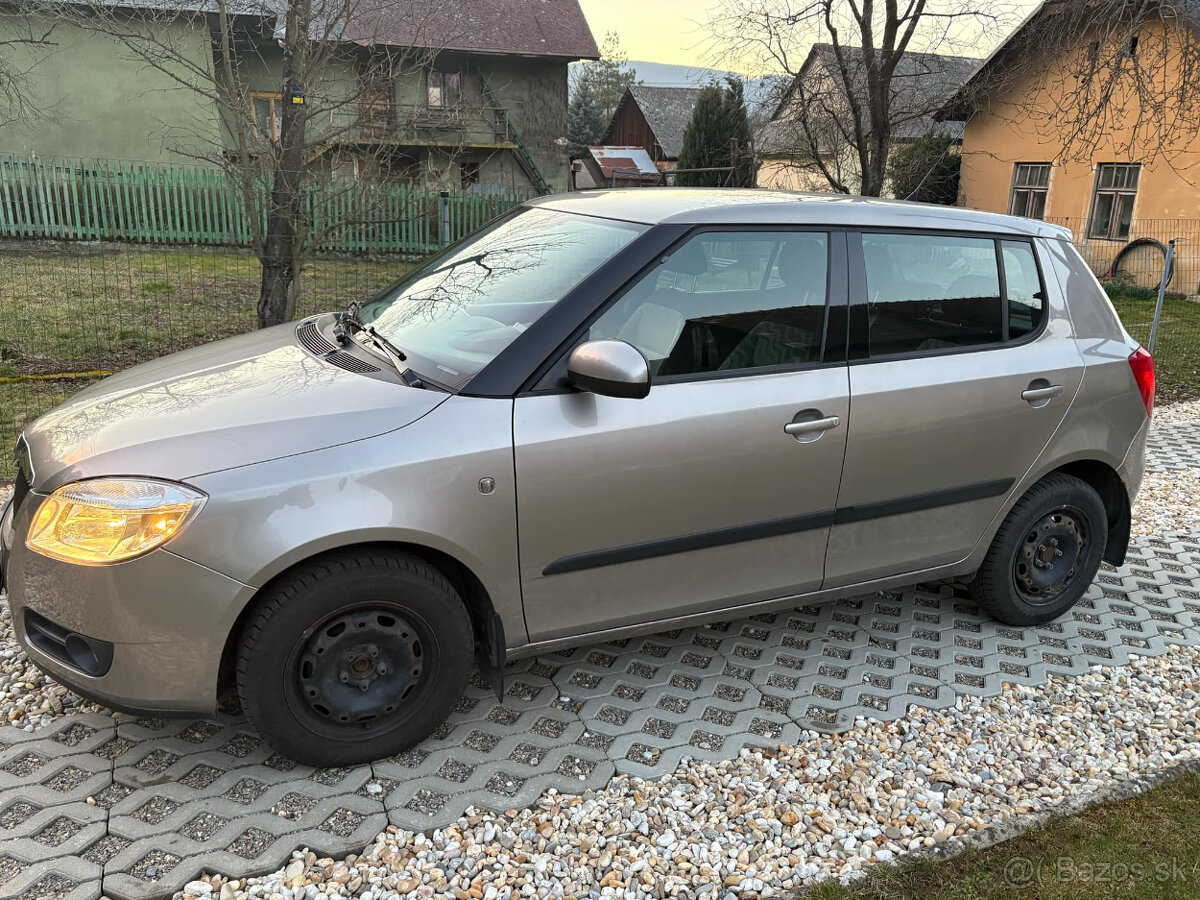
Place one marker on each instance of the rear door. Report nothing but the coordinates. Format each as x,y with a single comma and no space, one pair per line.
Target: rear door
718,488
962,366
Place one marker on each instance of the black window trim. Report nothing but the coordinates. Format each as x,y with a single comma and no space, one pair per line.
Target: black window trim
1116,192
833,339
859,349
1014,187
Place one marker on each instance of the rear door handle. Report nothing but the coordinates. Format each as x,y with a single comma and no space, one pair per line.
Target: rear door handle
815,425
1041,393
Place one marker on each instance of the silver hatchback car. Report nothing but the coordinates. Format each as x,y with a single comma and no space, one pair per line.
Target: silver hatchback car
605,414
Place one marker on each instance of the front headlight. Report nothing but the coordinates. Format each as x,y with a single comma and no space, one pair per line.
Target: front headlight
107,520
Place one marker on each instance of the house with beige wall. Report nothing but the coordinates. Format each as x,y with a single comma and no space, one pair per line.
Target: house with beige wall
807,145
1086,130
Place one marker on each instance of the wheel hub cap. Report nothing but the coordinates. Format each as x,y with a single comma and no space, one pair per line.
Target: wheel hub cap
359,666
1050,555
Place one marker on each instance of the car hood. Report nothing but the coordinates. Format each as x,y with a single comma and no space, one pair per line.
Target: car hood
244,400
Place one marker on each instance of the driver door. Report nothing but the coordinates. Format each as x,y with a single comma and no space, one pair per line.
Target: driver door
694,498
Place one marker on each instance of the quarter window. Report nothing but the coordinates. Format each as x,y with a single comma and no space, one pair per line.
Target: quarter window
1023,286
727,302
1031,182
1112,205
931,292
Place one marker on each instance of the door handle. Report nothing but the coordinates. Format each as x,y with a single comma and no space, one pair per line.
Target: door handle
1041,393
795,428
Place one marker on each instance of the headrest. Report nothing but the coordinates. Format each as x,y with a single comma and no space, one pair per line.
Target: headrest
688,259
802,261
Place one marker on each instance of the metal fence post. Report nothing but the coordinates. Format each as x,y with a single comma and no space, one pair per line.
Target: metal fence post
1168,262
444,217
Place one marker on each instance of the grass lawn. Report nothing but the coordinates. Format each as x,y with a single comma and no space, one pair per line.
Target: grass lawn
80,309
1177,351
1147,847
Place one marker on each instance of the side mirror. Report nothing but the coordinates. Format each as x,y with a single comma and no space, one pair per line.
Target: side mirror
610,368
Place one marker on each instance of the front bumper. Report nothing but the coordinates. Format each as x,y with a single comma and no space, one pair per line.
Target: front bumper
165,618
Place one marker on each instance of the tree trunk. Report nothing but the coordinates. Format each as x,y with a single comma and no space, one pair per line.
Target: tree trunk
277,293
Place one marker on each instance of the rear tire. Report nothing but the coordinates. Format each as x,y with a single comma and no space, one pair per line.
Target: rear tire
354,657
1046,553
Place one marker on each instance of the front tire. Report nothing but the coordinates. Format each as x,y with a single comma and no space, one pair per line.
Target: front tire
1046,553
354,657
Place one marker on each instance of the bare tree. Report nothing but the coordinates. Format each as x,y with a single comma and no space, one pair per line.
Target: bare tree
27,43
329,100
1118,74
858,72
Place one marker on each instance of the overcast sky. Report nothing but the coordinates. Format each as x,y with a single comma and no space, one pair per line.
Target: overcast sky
672,31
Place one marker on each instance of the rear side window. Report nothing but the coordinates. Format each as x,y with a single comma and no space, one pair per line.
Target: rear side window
929,292
727,302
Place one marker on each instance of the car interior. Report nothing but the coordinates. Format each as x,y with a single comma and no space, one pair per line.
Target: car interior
908,313
683,328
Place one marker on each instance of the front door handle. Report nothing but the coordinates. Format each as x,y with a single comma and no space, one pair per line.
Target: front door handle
813,426
1034,394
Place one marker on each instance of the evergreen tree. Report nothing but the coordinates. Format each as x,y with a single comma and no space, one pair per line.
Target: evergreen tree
926,169
718,130
585,119
610,75
740,142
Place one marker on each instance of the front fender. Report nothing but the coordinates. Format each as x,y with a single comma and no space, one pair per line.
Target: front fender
418,485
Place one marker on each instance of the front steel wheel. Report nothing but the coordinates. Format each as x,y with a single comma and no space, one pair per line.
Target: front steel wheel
1045,554
354,657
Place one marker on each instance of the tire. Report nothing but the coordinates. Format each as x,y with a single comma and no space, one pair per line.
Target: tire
354,657
1046,553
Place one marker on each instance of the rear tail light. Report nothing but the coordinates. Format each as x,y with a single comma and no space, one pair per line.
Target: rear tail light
1142,364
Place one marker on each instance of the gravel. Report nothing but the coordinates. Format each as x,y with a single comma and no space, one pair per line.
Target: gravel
776,819
770,820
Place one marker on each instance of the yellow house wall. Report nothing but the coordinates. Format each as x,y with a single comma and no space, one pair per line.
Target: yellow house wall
1168,189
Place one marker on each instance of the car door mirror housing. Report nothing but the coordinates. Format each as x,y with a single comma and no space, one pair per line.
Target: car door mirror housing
610,368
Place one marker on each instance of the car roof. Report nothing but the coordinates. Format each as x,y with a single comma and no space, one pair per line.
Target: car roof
751,206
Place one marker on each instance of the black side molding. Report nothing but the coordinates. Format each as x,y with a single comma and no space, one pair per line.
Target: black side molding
980,490
703,540
700,540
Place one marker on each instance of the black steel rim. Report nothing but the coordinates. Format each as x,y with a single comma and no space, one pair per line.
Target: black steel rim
1050,556
359,667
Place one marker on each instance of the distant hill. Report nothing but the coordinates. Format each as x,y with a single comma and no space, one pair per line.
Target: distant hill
654,74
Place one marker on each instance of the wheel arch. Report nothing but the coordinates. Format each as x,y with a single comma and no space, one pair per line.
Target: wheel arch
1104,479
486,624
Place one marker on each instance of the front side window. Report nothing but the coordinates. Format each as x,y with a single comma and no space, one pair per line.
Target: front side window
444,90
931,292
1031,183
1112,205
455,314
727,302
267,110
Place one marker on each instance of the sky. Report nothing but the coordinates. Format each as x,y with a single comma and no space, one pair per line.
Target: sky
672,31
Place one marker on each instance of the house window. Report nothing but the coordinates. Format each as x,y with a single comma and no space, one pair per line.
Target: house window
1031,181
469,175
1112,204
268,108
444,92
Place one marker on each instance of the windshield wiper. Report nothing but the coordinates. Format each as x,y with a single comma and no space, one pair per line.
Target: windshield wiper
349,324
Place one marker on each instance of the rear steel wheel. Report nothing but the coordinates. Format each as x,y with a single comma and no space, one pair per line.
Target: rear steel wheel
1045,554
1050,556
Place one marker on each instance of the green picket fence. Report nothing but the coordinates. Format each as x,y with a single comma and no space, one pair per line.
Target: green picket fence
118,200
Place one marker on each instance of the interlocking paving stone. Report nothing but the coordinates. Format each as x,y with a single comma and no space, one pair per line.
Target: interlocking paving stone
175,798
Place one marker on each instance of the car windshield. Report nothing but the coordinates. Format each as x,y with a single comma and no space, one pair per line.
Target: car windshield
454,315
